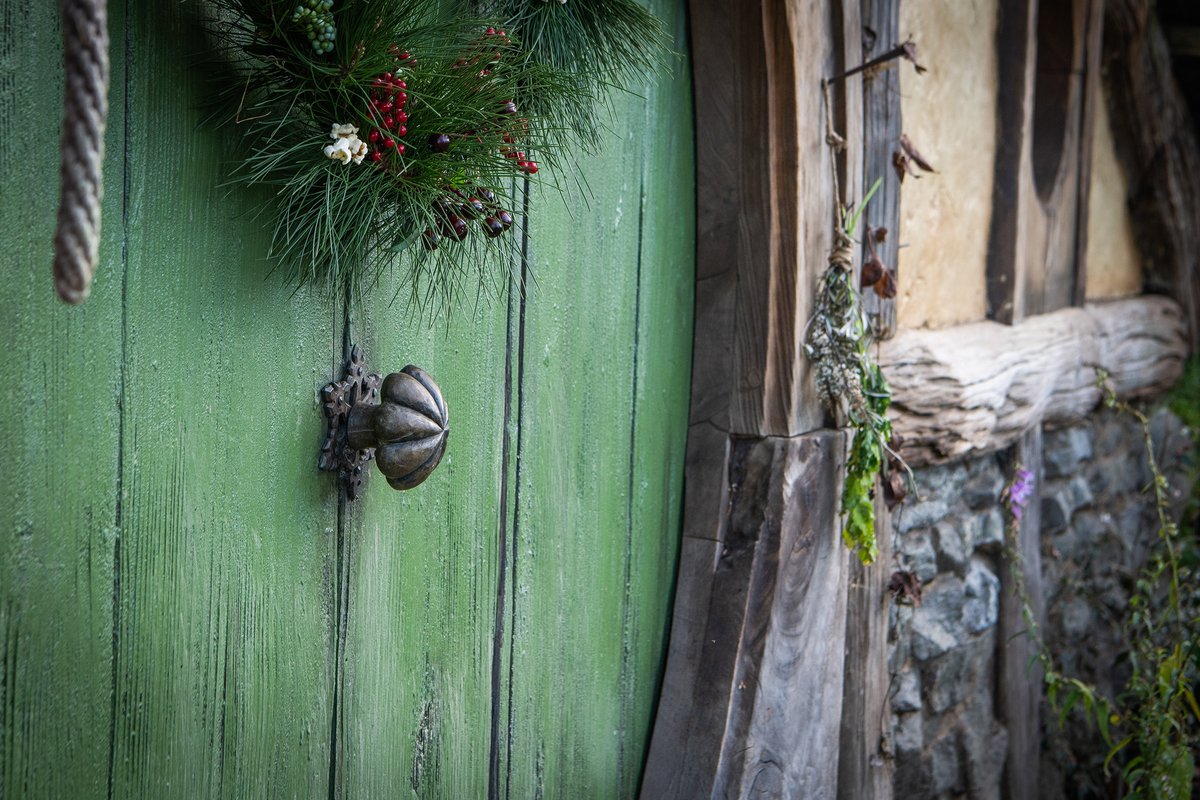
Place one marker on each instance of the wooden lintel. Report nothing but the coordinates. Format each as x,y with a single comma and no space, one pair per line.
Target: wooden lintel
976,388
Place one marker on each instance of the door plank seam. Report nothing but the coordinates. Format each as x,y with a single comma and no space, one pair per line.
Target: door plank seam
118,509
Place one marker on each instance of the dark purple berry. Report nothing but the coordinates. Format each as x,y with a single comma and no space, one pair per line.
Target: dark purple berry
455,227
439,142
493,227
430,239
505,218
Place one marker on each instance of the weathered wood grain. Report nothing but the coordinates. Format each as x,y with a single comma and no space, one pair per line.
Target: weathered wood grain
765,217
597,481
764,708
223,631
865,765
764,203
1158,149
414,691
60,369
975,388
1019,689
882,126
1046,103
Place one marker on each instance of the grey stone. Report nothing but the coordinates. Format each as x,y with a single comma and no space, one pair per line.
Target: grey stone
984,749
1079,493
1056,509
1109,435
937,622
952,551
922,515
1090,529
945,768
945,480
991,530
958,674
982,606
912,777
908,692
1076,617
917,554
1064,450
907,734
983,489
947,679
1113,476
1132,527
930,638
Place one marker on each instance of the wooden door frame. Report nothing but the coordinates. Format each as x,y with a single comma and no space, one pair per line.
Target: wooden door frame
776,673
756,650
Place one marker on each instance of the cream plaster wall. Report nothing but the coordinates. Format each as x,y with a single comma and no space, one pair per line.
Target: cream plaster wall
949,114
1114,267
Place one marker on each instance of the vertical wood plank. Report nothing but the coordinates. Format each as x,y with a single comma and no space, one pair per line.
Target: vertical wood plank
1047,103
600,455
763,711
1020,682
865,765
60,369
1015,57
1093,100
882,126
790,745
1157,145
760,118
415,691
223,631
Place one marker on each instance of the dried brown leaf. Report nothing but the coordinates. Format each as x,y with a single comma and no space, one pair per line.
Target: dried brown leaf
903,166
905,586
909,49
909,150
885,287
873,271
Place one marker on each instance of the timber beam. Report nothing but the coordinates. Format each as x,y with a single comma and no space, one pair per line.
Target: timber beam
976,388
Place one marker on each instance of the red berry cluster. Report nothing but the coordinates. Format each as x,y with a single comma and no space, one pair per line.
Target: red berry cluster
388,99
452,213
492,38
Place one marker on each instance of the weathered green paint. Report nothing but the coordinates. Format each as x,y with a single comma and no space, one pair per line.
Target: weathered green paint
60,372
186,608
605,370
224,682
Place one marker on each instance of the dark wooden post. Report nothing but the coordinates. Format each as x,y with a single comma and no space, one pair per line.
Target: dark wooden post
1048,57
1157,146
881,136
1019,692
752,696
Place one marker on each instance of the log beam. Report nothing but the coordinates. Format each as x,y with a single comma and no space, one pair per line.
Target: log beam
976,388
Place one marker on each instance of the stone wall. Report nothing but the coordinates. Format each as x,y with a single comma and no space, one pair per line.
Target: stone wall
1096,526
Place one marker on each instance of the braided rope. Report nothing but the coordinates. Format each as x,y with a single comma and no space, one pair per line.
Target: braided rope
77,239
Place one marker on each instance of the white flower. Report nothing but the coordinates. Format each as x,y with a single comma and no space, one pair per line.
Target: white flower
346,145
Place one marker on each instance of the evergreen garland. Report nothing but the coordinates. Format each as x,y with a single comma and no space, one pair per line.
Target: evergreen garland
398,132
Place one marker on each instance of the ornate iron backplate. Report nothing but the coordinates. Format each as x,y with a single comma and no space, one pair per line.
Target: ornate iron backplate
358,387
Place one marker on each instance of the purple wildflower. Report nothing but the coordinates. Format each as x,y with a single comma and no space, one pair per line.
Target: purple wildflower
1019,492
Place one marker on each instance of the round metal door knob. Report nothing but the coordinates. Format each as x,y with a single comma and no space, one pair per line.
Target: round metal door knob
401,421
408,429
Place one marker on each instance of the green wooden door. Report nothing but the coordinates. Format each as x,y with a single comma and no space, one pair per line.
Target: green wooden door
186,607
